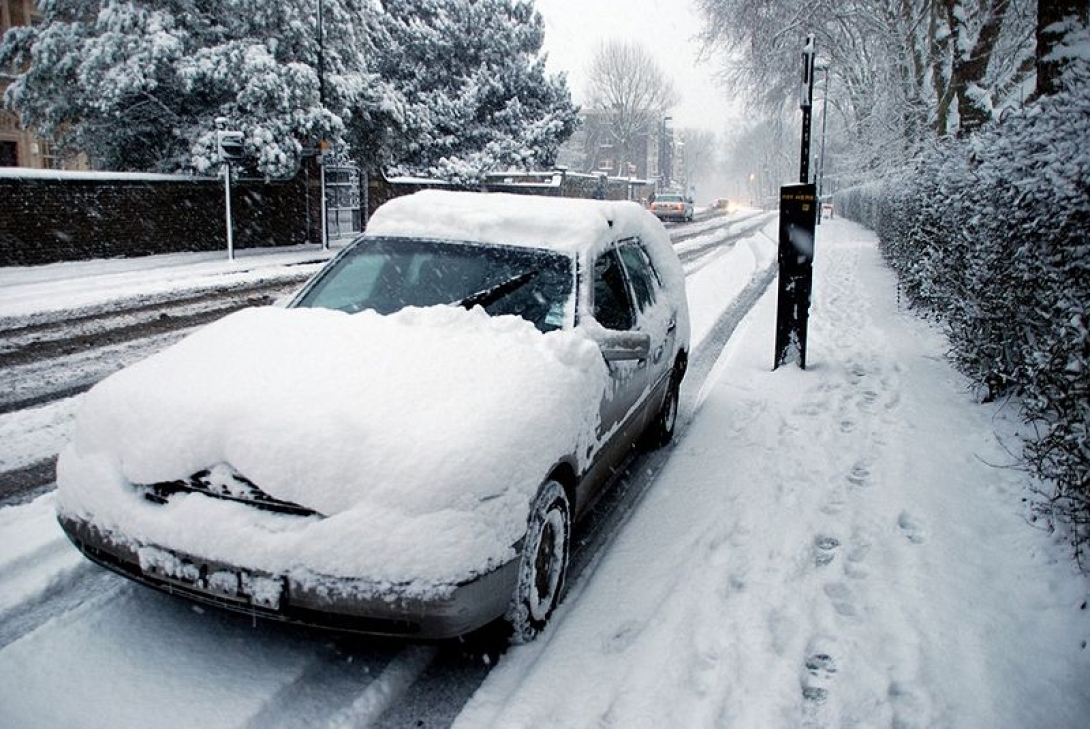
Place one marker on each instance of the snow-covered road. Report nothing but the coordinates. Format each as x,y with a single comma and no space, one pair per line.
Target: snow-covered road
843,546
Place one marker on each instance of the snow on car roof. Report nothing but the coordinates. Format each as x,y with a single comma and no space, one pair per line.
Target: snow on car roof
568,225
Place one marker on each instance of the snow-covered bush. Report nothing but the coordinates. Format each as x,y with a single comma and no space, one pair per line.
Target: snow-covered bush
991,235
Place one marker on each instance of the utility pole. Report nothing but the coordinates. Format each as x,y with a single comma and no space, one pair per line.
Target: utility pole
798,206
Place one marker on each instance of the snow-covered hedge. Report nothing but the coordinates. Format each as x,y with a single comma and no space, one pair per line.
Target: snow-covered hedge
991,235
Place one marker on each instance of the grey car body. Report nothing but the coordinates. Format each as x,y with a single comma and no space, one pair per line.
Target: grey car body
626,291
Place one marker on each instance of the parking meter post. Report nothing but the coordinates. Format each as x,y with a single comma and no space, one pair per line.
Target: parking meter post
325,153
798,221
229,146
798,213
227,208
325,204
806,103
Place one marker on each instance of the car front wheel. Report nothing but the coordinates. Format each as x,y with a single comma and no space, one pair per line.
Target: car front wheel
543,563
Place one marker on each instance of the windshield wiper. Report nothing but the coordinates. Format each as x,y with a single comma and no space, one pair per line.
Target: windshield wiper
493,294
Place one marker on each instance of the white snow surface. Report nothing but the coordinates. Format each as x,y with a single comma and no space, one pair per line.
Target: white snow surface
844,546
422,435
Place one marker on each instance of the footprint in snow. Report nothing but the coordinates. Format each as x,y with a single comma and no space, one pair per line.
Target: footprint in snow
857,555
825,549
869,398
819,669
859,476
841,598
912,527
856,373
911,708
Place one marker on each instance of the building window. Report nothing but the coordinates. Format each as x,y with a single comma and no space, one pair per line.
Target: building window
9,154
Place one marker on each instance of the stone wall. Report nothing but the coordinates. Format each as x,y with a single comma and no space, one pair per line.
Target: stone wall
47,217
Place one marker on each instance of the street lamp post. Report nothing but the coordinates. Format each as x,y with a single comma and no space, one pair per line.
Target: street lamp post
321,53
664,153
823,66
322,145
806,102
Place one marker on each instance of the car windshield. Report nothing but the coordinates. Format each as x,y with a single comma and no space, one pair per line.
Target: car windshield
669,198
388,274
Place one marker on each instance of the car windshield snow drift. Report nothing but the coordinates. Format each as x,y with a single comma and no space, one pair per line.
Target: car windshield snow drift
404,448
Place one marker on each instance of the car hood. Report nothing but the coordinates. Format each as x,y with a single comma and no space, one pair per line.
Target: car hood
392,423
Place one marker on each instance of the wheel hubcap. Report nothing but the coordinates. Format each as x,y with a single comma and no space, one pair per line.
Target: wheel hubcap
548,562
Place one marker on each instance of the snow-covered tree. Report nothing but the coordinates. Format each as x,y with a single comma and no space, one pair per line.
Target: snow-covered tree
627,86
139,85
446,87
903,71
472,94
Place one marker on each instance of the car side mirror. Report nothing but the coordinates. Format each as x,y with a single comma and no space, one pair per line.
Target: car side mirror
619,346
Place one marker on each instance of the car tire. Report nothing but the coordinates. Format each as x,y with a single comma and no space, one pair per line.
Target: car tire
543,564
661,430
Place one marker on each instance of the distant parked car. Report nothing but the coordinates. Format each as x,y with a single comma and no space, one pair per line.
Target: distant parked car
405,448
670,206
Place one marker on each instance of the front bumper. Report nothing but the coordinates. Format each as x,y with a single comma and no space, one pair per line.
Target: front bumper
338,603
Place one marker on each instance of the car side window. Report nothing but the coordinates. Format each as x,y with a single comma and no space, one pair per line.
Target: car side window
612,305
639,273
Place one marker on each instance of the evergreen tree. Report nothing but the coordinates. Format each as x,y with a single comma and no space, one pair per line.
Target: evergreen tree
472,92
450,88
139,85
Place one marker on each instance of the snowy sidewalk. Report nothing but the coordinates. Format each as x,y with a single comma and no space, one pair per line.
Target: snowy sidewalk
836,547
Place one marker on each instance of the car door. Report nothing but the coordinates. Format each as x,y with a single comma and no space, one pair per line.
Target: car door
613,307
654,315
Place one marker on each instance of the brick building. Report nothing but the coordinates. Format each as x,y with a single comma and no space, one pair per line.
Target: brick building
20,147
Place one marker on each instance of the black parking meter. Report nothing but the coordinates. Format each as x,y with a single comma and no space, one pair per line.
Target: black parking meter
798,216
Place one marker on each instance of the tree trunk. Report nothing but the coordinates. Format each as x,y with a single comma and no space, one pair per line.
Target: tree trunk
1050,31
969,68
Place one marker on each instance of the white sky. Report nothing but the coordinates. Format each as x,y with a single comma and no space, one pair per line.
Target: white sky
575,28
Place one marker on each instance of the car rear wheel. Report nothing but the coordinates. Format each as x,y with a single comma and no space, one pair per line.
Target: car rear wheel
661,430
543,563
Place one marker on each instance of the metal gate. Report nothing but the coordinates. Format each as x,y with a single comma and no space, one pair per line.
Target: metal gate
344,218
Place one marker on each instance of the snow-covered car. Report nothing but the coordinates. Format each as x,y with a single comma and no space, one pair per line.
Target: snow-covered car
671,206
405,447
